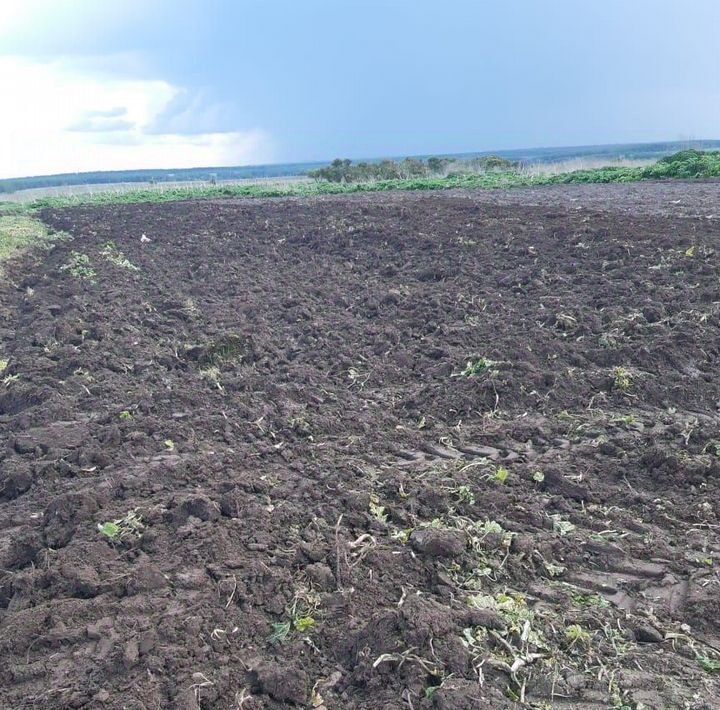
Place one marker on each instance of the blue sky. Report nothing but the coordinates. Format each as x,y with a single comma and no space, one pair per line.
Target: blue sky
90,84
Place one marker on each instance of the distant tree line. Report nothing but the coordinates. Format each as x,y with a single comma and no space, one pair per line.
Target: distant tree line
688,163
211,175
347,171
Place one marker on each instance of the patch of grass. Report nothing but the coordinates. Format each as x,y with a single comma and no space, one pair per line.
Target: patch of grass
225,350
12,208
20,231
17,233
299,189
80,267
111,253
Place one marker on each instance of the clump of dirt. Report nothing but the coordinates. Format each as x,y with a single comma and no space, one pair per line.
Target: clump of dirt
396,450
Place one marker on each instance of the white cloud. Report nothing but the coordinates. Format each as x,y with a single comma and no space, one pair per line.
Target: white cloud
15,13
60,117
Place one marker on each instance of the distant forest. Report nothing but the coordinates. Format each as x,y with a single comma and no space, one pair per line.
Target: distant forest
158,176
652,151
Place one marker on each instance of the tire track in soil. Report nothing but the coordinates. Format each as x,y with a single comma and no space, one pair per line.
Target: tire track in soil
276,392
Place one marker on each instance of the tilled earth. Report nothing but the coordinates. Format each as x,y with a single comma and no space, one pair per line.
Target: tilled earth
387,451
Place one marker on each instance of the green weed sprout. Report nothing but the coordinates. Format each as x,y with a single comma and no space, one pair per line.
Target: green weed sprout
377,510
303,623
560,526
111,253
110,530
465,495
479,366
122,528
709,665
281,631
80,266
590,600
576,634
622,379
501,475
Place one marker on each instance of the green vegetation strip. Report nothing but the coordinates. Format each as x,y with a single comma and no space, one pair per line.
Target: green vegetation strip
19,232
22,231
689,164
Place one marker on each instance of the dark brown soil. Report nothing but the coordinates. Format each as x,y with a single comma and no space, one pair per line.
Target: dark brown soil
331,513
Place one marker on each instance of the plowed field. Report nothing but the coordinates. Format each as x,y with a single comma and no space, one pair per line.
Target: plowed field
383,451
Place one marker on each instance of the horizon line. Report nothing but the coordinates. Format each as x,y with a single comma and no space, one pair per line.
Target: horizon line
496,151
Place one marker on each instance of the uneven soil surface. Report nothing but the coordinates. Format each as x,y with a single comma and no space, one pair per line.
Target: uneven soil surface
388,451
